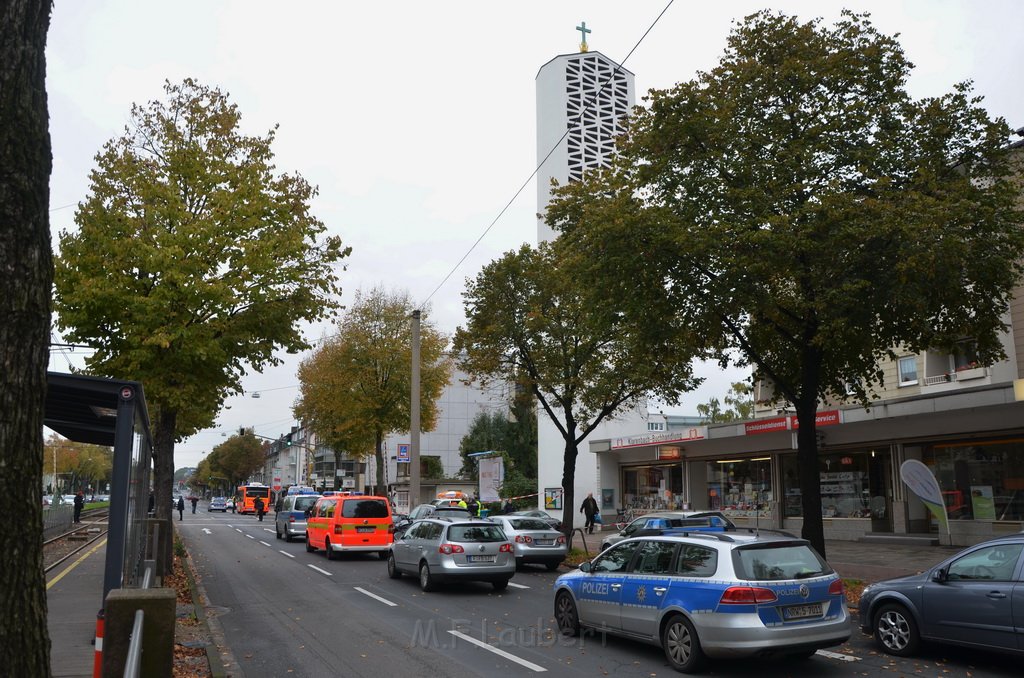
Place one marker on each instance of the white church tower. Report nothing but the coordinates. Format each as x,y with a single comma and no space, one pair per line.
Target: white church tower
582,101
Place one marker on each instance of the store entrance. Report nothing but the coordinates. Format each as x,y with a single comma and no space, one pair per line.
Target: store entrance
879,489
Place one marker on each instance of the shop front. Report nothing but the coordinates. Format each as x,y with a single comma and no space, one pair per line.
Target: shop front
981,480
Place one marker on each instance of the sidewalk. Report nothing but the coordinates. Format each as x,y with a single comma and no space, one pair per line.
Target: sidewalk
74,595
871,562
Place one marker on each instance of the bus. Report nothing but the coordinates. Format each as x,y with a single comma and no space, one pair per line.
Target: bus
245,502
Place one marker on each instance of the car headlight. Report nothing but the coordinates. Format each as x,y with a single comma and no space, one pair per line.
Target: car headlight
865,591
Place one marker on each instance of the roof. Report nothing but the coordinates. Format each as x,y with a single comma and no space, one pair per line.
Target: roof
84,408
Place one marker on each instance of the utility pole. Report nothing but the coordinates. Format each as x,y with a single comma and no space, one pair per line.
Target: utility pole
414,418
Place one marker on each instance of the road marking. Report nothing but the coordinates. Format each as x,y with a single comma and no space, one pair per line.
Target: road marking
287,554
207,531
249,536
840,657
376,597
518,586
319,570
502,653
267,529
74,564
264,543
238,530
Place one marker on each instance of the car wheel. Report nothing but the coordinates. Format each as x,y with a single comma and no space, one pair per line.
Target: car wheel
331,555
681,645
896,631
500,585
309,545
426,579
552,565
565,614
393,570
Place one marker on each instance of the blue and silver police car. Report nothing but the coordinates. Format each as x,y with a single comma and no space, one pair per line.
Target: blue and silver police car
709,595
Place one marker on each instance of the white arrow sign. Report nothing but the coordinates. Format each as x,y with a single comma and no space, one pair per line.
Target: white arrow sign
207,531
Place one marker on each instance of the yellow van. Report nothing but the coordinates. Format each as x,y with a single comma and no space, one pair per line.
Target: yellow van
339,523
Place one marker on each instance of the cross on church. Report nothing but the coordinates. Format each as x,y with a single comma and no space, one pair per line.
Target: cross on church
582,28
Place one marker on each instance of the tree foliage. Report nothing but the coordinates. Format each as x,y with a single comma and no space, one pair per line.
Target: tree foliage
796,206
739,405
354,390
513,433
528,317
193,261
80,465
26,272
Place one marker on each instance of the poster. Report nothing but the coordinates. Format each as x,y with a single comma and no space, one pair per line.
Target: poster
608,498
982,504
552,498
491,477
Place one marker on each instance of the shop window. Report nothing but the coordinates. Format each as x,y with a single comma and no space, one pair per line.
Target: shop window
653,488
980,480
847,489
740,487
908,370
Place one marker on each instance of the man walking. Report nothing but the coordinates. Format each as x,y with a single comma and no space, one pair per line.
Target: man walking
181,508
589,509
193,499
258,504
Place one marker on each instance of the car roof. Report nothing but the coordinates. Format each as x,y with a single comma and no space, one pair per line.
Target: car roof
741,537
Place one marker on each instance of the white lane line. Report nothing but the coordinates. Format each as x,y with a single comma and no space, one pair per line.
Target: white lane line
502,653
287,554
207,531
267,529
319,570
265,543
250,536
376,597
238,530
517,586
840,657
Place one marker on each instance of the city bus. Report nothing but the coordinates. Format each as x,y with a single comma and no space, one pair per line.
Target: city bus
245,502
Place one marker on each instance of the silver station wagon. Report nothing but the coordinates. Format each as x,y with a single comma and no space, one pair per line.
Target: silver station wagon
439,550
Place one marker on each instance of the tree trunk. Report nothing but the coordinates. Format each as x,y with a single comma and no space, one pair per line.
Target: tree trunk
569,481
808,474
163,475
26,276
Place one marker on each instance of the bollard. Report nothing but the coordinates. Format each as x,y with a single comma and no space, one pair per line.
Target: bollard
97,658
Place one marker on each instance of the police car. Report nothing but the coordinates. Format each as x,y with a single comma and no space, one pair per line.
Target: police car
709,595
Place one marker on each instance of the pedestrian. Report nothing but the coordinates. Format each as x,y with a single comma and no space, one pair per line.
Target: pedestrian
258,505
79,503
472,506
280,503
181,508
462,503
509,507
194,499
589,509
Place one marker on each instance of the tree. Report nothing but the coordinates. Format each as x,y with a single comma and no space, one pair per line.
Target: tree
514,433
193,262
739,404
528,316
487,431
26,272
237,458
83,466
795,206
354,390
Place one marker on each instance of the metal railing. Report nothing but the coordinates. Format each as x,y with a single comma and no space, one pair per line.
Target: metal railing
133,662
56,519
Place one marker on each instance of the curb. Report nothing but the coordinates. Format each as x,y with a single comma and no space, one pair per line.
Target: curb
218,654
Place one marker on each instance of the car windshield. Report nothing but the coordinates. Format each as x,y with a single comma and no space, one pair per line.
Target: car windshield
528,524
442,511
305,502
774,562
475,533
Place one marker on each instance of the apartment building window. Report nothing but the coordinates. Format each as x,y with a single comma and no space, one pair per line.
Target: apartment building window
655,426
908,370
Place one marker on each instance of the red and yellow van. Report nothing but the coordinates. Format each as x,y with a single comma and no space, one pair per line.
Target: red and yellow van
340,523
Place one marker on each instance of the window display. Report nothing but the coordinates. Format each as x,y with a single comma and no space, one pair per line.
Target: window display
740,487
653,488
981,480
853,485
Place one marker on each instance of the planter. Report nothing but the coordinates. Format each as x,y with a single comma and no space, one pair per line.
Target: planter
972,373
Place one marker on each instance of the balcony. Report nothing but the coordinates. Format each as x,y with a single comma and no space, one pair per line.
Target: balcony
962,374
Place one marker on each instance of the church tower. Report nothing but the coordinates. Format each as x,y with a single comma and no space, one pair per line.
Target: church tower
588,95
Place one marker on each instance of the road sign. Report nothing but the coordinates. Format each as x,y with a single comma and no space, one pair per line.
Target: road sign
403,453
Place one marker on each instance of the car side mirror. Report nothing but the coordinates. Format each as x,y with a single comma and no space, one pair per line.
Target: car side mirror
939,575
585,566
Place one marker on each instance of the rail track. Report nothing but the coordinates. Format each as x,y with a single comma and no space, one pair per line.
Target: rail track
58,549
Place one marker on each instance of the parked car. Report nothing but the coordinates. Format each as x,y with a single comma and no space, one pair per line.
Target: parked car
440,550
533,540
974,599
709,595
290,521
430,510
218,504
696,520
555,523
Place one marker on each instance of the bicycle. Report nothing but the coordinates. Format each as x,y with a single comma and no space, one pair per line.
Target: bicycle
624,517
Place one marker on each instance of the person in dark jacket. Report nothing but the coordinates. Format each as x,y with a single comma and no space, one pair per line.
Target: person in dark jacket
258,505
194,500
589,509
79,503
181,508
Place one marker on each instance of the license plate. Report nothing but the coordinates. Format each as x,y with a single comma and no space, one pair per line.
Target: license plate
480,559
802,611
544,542
366,529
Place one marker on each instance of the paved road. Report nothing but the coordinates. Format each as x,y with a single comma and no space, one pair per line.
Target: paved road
286,612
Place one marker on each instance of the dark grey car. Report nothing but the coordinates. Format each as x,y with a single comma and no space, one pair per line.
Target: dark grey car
975,598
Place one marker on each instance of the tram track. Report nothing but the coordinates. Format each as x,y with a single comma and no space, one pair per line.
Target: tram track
60,548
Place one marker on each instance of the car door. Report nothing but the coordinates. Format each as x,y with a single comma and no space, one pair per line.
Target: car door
975,601
402,546
600,593
644,587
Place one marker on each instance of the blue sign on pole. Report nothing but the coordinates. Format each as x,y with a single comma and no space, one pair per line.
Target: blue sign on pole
403,453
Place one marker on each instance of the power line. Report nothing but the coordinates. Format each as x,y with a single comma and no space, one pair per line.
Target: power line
569,128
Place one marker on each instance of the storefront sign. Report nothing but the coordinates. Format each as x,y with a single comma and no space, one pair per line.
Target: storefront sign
694,433
766,426
668,452
826,418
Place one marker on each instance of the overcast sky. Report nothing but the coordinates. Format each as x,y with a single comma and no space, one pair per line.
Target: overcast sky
417,119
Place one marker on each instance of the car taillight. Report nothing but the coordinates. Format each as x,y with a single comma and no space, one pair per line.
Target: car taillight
561,540
291,519
836,588
337,529
523,539
506,548
450,549
747,595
